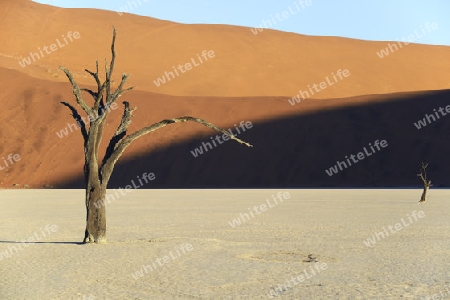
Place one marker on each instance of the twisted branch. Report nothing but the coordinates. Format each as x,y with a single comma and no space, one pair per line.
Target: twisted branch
119,148
77,92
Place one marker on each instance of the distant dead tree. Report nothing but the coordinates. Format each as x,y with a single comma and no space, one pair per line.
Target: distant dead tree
97,173
426,182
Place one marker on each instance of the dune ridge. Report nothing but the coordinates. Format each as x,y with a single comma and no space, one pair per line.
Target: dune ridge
272,63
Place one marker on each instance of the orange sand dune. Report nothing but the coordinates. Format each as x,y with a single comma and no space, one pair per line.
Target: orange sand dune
271,63
247,78
32,116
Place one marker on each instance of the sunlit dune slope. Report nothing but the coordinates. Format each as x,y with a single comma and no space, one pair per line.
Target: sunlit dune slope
271,63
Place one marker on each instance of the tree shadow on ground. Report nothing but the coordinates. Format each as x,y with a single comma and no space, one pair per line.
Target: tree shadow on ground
65,243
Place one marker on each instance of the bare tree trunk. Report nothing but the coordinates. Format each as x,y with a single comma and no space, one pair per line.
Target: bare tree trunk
97,172
95,215
425,181
424,193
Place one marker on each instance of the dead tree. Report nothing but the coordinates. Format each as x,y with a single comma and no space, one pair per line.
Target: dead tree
98,172
426,182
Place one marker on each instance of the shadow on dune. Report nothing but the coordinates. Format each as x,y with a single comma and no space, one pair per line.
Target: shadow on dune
294,152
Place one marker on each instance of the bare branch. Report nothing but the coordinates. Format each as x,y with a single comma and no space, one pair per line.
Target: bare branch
118,92
113,52
111,97
108,72
79,120
91,92
95,75
122,145
98,97
77,92
126,118
166,122
120,132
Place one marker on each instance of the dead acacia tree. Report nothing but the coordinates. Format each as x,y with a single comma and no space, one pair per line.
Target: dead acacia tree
426,182
98,172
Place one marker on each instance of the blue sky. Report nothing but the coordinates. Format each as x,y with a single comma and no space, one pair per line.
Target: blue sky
379,20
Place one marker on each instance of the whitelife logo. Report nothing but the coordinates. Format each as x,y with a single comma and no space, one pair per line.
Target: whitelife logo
393,229
128,189
263,207
199,150
391,48
12,158
53,47
49,229
360,156
302,95
442,295
128,8
431,118
162,261
187,67
266,24
281,288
